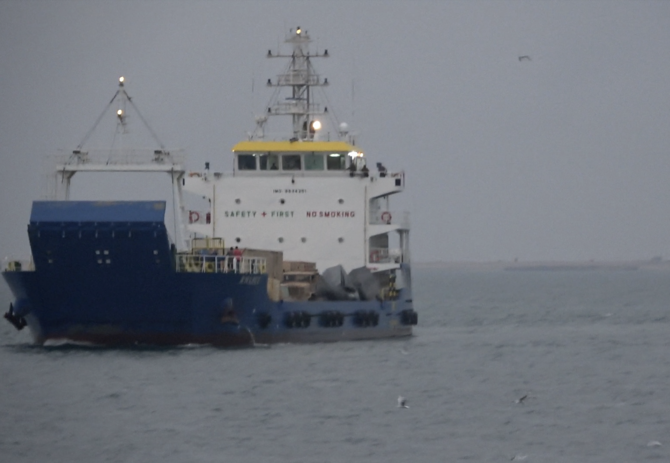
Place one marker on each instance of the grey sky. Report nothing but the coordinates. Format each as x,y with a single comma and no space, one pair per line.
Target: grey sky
563,157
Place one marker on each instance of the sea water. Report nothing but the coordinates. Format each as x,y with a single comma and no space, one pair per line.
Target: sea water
588,350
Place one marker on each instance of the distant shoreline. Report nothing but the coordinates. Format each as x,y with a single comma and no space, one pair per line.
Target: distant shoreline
549,266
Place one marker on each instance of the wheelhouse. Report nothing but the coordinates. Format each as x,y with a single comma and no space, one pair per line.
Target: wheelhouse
319,158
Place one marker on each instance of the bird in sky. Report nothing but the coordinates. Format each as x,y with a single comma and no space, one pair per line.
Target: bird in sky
525,58
402,403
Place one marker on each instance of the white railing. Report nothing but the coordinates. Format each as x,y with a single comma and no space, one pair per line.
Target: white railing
383,217
192,263
121,157
385,256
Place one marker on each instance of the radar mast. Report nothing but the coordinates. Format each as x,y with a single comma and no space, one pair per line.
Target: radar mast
300,76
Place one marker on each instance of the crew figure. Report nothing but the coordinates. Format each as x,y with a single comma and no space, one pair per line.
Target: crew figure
237,252
230,257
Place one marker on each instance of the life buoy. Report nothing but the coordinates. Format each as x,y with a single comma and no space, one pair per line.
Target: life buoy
191,216
374,256
386,217
190,265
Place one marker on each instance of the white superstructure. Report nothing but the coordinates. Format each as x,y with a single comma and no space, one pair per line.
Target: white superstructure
313,199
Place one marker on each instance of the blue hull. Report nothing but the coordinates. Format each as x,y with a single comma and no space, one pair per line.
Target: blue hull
186,308
112,279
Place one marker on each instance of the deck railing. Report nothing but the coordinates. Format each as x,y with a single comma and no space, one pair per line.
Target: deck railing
120,157
191,263
385,256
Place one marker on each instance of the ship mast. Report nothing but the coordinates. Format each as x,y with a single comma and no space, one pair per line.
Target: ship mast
300,76
126,160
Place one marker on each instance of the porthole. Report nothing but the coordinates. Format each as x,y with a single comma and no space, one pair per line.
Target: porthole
281,240
282,201
340,240
341,201
238,201
237,240
303,239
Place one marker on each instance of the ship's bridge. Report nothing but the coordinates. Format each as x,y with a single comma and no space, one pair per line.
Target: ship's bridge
299,157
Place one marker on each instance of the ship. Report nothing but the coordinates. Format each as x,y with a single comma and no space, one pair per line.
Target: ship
297,244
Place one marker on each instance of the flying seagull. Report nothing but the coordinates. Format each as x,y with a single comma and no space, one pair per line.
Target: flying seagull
524,58
402,403
521,399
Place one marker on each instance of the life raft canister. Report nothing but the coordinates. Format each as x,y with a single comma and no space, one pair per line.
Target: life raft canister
193,216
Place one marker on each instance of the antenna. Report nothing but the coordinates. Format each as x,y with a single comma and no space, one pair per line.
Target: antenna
299,78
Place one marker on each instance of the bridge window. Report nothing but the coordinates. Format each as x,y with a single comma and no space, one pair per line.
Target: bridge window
268,161
314,161
337,161
290,162
246,161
